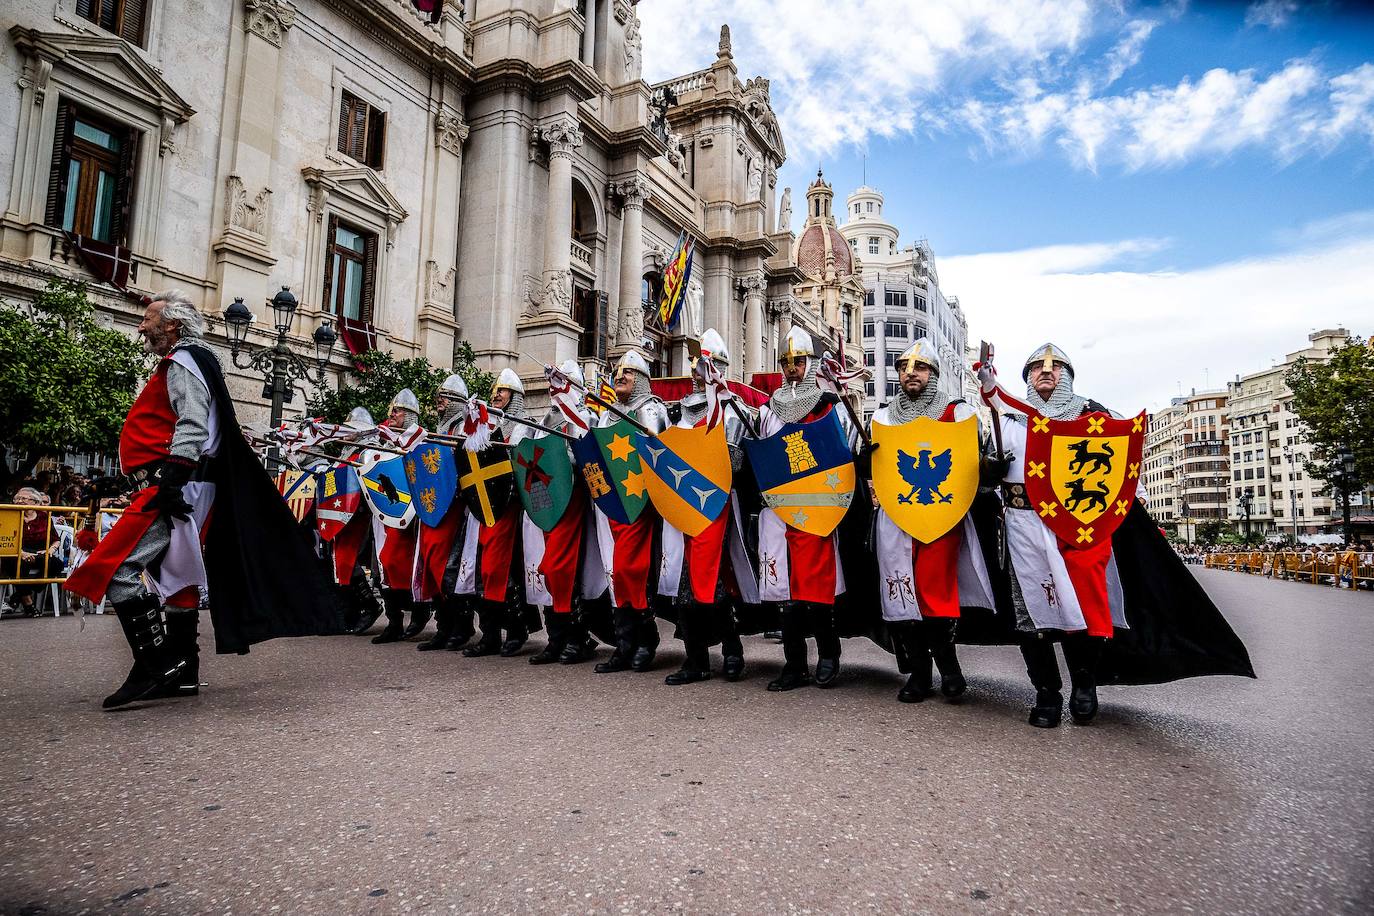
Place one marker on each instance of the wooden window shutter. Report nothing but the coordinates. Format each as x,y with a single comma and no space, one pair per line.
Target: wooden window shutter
332,228
369,278
131,27
86,9
61,155
124,188
376,138
345,119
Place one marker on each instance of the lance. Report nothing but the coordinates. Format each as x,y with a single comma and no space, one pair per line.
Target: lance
587,392
443,439
312,453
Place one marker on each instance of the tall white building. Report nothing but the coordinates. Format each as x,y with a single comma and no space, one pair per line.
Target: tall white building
902,300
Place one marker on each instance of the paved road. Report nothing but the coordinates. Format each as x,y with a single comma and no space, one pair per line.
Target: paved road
330,776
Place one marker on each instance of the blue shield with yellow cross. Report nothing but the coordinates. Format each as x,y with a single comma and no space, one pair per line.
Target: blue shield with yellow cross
687,471
386,489
805,472
433,476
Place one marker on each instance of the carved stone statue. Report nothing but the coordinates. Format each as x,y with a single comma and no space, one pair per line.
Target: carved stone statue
785,211
696,308
755,179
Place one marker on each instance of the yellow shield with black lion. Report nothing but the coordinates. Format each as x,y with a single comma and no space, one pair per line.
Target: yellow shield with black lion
1082,474
925,473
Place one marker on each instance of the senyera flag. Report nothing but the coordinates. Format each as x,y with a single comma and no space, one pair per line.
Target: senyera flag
675,277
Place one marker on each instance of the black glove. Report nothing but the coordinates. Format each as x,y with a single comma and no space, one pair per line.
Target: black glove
863,461
169,501
993,470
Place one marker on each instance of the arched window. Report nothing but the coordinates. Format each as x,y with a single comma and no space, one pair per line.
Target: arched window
583,228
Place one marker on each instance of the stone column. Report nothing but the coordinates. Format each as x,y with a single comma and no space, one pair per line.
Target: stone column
752,287
589,36
632,192
437,324
563,137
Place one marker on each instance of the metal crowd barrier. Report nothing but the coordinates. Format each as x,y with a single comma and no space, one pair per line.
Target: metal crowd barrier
1347,567
59,542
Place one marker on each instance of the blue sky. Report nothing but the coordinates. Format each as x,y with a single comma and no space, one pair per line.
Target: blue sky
1191,184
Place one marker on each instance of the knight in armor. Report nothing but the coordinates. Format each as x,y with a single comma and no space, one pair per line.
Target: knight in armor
182,456
565,577
922,616
699,574
493,556
440,548
1126,611
396,547
800,570
627,550
352,550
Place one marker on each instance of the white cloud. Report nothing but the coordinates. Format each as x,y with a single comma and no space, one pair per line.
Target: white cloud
1272,14
1135,337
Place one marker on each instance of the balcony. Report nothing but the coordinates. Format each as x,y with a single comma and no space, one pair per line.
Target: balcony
581,255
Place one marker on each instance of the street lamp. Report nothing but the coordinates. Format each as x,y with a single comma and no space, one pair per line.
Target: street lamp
279,365
1346,459
1292,493
1245,499
1183,513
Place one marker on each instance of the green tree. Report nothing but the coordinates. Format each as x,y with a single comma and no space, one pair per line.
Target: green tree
66,383
377,376
1335,401
1209,532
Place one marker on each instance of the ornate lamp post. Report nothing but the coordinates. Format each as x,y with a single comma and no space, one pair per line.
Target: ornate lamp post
279,365
1245,499
1346,458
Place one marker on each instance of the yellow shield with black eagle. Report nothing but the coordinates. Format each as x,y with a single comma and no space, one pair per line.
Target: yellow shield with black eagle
925,473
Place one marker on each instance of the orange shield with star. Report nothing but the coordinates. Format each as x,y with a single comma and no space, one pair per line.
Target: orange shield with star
1081,474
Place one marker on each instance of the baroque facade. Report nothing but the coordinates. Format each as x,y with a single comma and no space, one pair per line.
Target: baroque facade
902,301
496,172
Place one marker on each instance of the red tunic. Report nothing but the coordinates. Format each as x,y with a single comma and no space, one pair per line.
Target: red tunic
811,568
935,566
562,549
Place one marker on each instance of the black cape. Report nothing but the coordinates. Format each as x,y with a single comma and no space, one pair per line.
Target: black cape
265,579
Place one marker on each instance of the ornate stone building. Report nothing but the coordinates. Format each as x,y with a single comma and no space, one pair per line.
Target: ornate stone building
496,172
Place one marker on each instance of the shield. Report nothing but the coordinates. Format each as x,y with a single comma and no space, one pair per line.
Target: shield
806,473
298,489
925,473
688,475
1081,474
432,474
338,495
610,465
386,488
543,478
486,482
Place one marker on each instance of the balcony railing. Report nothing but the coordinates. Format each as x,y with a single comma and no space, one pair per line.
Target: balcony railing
581,254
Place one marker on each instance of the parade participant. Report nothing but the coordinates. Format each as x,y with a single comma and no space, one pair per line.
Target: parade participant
699,573
627,550
440,548
181,451
352,548
923,580
559,555
396,546
798,569
1141,620
493,555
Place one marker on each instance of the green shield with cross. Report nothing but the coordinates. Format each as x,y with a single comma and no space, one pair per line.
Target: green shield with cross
543,478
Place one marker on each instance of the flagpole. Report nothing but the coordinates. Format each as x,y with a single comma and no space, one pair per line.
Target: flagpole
587,392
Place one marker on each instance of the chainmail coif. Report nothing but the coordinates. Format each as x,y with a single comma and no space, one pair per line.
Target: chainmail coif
793,401
516,408
1063,404
930,402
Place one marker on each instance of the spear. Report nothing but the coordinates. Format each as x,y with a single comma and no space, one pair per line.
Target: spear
598,399
312,453
502,415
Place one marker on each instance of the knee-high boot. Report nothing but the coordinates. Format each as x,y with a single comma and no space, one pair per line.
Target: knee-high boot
557,626
940,637
1043,669
827,644
369,607
580,646
490,616
626,625
395,601
732,649
796,668
697,665
463,629
517,631
914,652
1081,654
155,666
183,640
646,640
443,628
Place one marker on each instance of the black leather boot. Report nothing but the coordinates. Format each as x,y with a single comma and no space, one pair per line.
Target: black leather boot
1081,653
419,619
1043,669
395,601
183,632
557,626
369,606
733,651
155,667
490,615
646,640
443,629
463,629
580,646
827,645
940,638
625,622
796,670
915,656
697,665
